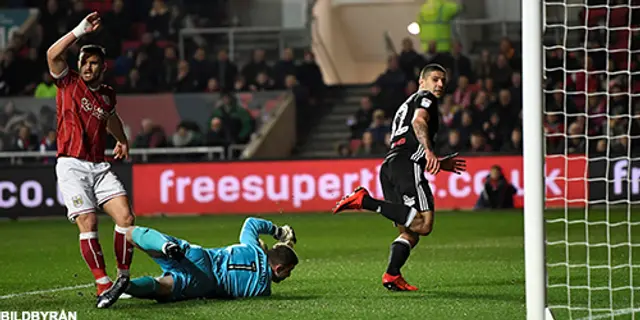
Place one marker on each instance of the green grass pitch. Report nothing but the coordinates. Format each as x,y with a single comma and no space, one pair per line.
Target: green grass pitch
471,267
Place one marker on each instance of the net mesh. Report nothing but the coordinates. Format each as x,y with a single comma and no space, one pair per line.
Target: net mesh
592,126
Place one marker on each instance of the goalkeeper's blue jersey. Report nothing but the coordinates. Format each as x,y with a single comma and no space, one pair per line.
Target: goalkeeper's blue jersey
242,270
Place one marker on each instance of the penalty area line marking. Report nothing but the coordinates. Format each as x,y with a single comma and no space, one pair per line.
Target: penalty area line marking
31,293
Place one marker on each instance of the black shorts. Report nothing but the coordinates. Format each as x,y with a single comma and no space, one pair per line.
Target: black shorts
403,181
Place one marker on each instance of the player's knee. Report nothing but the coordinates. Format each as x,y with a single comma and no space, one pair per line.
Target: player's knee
126,221
87,222
412,237
134,234
425,228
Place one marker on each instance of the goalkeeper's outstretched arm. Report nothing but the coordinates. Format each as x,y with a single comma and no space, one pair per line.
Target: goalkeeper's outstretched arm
254,227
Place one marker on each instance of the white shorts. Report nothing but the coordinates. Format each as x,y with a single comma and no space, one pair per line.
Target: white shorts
86,185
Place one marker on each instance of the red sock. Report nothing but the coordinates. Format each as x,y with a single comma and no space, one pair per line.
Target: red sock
123,249
92,255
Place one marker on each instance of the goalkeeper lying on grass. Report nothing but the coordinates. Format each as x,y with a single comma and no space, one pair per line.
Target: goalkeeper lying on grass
237,271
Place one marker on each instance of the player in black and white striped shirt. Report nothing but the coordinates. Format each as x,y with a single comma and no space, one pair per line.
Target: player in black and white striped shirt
409,201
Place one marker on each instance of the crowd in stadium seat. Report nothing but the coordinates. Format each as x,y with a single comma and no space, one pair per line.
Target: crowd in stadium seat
140,39
477,112
589,93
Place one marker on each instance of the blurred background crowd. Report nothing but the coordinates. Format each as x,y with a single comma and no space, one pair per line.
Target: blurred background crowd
481,112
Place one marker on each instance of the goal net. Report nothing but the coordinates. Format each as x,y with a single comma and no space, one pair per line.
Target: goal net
591,122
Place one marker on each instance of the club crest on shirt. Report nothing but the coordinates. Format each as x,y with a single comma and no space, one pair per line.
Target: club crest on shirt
77,201
95,111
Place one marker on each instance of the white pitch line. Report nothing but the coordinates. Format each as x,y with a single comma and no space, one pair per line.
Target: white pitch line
30,293
615,313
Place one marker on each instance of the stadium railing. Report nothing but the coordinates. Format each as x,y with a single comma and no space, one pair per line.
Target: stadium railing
232,33
212,153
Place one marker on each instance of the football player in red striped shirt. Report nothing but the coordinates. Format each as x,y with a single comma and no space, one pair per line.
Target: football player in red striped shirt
86,111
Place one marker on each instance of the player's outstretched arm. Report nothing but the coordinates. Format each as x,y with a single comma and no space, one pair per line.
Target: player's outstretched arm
254,227
57,64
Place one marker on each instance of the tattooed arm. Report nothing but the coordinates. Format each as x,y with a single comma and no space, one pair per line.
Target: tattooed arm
421,128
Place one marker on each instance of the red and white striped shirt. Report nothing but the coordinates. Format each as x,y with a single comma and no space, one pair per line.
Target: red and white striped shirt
82,117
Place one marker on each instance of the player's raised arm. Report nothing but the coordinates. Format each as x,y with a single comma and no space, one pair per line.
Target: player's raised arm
55,59
254,227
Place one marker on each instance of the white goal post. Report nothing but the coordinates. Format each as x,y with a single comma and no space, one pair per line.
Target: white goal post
581,116
533,157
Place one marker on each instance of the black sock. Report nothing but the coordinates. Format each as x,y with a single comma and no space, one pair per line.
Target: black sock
400,251
398,213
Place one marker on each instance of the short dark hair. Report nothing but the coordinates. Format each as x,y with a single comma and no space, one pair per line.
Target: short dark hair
282,254
430,68
94,50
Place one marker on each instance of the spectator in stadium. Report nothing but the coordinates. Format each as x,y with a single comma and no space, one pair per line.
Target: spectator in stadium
262,83
460,64
118,21
448,112
240,84
553,128
453,144
361,120
516,89
136,84
46,89
10,73
463,93
480,107
236,120
286,66
502,73
169,71
310,76
185,81
369,147
224,70
576,144
514,144
149,45
505,106
484,66
498,192
432,55
509,52
411,62
378,127
185,137
213,86
151,136
8,113
343,150
25,141
49,144
478,142
158,21
467,126
412,87
31,71
216,136
495,131
52,24
256,66
392,83
200,68
490,89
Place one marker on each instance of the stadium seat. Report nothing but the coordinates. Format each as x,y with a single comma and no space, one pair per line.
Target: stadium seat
129,45
121,80
164,43
354,144
138,29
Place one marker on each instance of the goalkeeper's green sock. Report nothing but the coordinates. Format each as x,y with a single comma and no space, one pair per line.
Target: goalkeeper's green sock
143,287
148,239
